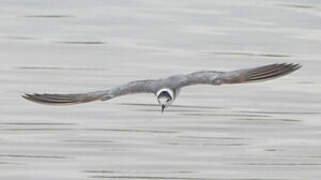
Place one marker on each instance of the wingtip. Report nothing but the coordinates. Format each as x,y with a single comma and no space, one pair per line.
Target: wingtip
290,66
297,66
294,66
26,96
60,99
272,71
37,98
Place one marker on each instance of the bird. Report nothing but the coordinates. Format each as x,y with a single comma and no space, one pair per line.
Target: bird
167,89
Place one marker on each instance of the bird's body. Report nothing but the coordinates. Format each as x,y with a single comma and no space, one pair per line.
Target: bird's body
167,89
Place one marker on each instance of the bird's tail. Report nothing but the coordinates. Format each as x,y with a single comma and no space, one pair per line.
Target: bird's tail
64,99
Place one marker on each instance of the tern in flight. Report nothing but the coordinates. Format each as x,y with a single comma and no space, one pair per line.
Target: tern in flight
166,89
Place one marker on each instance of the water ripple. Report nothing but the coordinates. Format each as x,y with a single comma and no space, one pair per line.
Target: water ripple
230,53
32,156
175,178
83,42
61,68
131,130
298,6
49,16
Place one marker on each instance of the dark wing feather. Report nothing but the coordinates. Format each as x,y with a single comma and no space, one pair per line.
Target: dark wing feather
66,99
63,99
258,74
239,76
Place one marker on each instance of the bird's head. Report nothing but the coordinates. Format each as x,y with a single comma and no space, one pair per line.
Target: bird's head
165,97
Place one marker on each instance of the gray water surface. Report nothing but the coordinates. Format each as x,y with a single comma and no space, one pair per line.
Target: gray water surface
263,131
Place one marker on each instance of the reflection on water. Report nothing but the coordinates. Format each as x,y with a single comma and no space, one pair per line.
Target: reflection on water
237,132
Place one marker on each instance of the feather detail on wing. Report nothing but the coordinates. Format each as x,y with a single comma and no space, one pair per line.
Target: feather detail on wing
142,86
257,74
261,73
64,99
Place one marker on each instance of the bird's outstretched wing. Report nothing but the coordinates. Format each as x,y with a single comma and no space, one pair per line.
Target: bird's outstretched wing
261,73
143,86
151,86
